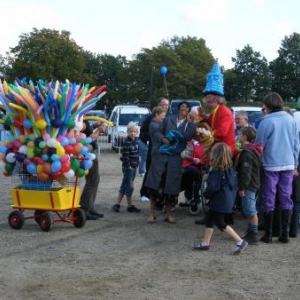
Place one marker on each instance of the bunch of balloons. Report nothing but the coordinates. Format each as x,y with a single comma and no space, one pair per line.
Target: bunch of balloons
46,121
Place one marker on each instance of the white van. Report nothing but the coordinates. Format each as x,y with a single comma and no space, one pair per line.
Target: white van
120,117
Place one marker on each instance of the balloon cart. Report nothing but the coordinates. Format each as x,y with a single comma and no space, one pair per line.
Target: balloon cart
45,199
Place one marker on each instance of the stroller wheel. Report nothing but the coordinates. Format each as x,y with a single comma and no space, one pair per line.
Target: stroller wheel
194,209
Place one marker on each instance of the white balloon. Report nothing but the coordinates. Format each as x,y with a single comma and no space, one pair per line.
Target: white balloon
23,149
11,157
69,174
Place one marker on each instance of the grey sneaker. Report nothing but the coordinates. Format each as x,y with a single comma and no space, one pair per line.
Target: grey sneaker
240,248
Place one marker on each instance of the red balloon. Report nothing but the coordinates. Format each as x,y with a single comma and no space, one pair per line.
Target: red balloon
65,167
57,175
69,149
43,176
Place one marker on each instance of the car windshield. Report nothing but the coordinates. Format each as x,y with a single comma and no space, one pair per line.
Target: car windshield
126,118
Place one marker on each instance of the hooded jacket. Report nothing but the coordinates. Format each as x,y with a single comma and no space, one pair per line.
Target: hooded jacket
249,167
221,190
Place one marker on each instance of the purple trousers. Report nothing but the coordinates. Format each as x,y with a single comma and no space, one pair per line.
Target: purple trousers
277,182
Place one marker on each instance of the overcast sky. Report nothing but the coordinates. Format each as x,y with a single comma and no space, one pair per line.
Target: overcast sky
126,26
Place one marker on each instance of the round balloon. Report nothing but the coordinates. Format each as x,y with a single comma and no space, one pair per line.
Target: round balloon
163,70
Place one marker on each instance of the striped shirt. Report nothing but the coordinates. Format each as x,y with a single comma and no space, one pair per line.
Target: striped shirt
130,153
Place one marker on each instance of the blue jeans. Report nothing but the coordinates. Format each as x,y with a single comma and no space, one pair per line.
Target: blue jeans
249,204
126,187
143,150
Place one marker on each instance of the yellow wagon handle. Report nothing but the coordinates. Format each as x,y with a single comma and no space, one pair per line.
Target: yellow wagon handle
98,119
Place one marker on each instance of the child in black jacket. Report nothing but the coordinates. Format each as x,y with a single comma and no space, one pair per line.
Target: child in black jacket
248,170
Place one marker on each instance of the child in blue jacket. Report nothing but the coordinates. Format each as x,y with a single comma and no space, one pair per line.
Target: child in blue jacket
221,190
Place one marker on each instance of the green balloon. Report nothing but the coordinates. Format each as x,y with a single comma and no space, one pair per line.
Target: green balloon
80,172
9,168
70,124
75,164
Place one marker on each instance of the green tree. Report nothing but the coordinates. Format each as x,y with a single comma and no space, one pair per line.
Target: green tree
46,54
188,61
112,71
253,79
285,69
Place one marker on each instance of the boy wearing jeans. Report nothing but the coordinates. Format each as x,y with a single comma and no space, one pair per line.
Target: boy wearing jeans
248,169
130,163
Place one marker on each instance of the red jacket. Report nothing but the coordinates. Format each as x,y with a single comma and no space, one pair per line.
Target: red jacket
222,124
198,152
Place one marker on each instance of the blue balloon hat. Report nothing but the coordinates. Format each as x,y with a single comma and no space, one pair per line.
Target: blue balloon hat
214,81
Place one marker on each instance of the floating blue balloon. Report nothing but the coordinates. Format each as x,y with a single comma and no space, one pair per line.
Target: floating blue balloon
163,70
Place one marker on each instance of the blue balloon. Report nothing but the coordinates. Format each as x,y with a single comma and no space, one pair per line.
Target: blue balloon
163,70
55,166
31,168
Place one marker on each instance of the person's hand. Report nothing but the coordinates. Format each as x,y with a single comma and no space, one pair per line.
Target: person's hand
196,161
165,141
242,193
201,113
296,173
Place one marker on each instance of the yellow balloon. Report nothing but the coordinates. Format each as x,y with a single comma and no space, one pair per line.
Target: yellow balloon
41,124
60,151
39,169
98,119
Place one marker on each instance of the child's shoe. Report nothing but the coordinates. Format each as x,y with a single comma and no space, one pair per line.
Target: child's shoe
132,208
116,208
201,247
240,248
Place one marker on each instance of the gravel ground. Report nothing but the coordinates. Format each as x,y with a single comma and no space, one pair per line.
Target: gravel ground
123,257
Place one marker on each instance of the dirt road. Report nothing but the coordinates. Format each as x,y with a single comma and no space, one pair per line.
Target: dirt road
123,257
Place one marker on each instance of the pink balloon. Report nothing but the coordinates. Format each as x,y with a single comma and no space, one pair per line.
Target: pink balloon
46,137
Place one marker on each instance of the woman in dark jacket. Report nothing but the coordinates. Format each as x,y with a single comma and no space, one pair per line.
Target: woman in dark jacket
221,190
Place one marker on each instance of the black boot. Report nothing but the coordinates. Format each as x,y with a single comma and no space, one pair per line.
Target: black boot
251,237
285,225
268,217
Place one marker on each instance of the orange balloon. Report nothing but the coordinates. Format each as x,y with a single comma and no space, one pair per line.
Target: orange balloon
47,168
77,148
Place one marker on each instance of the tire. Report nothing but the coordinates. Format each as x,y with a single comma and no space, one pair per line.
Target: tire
194,209
46,221
16,219
79,218
204,200
37,215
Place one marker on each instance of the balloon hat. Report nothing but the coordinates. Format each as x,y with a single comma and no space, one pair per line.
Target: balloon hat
214,81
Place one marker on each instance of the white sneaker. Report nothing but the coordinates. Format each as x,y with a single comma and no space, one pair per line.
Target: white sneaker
144,199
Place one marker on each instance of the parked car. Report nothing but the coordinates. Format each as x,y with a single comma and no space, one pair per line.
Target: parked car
254,113
120,117
174,104
96,113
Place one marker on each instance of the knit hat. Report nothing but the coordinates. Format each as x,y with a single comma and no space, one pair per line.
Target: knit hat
214,81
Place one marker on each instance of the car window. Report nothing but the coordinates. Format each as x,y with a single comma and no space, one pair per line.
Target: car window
124,119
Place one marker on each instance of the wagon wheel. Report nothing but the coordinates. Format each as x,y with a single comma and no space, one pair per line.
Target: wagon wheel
16,219
46,221
79,218
204,200
37,215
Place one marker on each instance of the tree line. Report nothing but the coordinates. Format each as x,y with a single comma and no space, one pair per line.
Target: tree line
53,55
